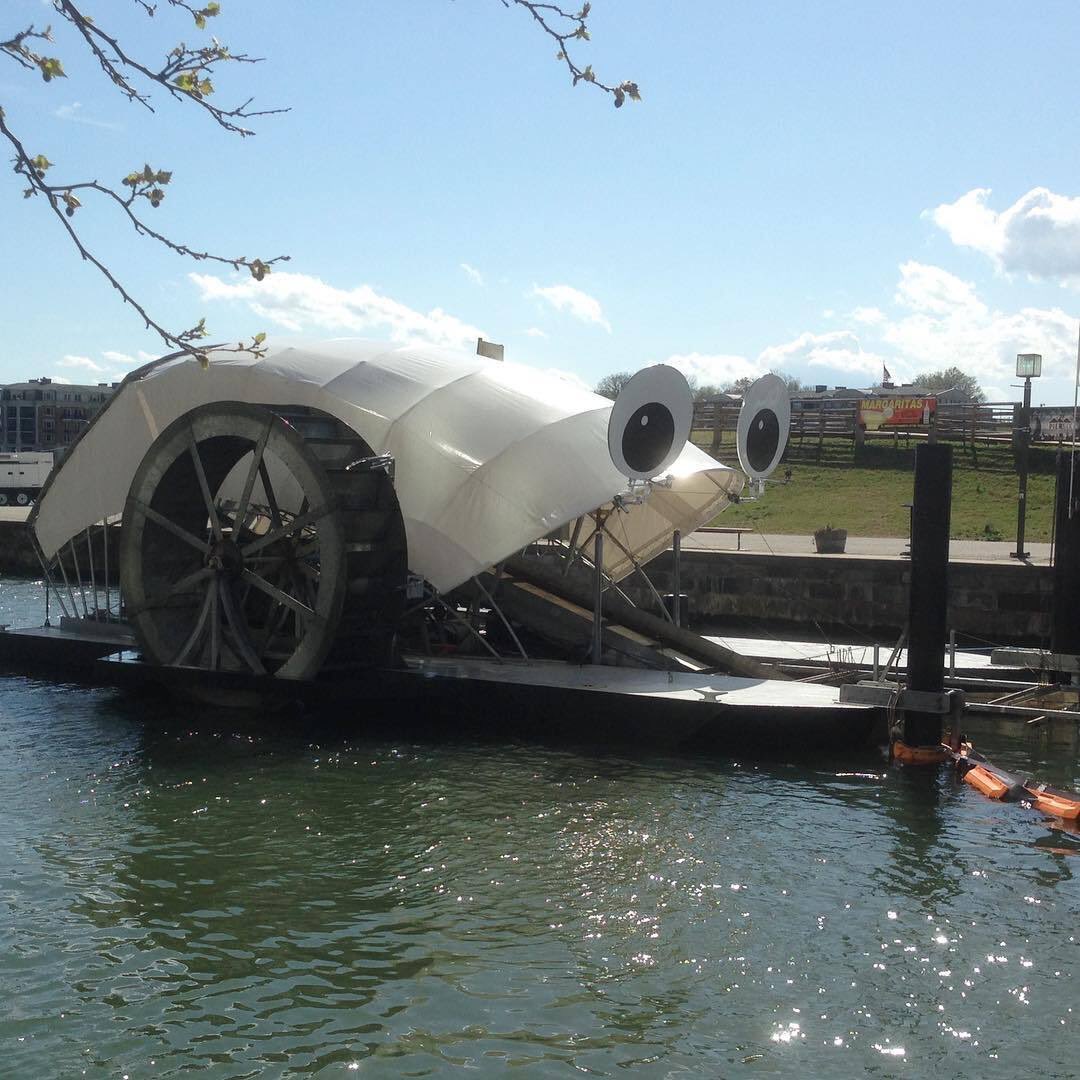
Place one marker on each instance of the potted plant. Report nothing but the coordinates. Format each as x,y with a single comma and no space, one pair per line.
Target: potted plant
830,541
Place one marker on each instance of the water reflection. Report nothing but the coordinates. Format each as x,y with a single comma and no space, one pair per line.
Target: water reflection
198,894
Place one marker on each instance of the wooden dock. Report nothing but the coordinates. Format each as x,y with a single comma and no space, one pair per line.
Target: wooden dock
471,695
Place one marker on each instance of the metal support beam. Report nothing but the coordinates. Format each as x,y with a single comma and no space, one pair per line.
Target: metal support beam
598,595
676,573
928,601
1065,613
1023,442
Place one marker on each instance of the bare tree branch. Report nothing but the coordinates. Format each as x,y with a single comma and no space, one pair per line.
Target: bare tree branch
564,28
63,204
186,74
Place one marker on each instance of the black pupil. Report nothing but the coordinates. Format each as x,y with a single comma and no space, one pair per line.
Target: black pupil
762,440
647,437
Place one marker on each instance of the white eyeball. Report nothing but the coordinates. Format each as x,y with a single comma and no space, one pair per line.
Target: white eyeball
764,425
650,422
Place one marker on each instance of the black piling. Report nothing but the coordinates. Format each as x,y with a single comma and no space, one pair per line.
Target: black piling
929,597
1065,611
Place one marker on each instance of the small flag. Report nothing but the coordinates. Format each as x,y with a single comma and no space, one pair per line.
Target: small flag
886,377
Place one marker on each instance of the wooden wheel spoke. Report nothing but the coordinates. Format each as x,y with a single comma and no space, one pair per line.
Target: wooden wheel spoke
244,540
299,522
309,549
282,597
271,498
253,472
215,625
274,626
170,526
204,487
308,572
184,585
238,631
266,562
200,626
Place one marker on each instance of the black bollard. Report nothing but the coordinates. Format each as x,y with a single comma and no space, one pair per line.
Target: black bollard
929,596
1065,612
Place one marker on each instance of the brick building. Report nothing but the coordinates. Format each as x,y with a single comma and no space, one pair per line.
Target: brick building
46,415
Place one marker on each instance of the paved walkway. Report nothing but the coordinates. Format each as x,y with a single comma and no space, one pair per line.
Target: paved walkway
875,547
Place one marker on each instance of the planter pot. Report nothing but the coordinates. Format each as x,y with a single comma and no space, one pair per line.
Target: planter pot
830,541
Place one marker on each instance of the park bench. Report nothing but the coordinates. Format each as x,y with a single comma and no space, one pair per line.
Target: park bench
738,530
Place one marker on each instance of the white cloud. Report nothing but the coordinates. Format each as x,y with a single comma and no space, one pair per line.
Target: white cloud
947,324
985,344
581,305
125,360
868,316
715,369
70,361
472,273
299,301
1039,235
73,112
535,331
111,367
937,292
840,350
937,321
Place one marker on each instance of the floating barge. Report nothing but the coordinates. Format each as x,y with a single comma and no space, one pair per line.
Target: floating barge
338,524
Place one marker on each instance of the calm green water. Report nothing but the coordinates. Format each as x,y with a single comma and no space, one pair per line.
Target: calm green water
183,895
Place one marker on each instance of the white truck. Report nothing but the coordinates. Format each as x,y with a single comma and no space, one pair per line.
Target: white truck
22,477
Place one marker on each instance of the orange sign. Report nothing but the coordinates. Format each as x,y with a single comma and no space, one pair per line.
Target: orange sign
875,413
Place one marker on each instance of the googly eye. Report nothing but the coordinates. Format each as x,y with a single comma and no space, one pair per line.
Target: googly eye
650,422
764,424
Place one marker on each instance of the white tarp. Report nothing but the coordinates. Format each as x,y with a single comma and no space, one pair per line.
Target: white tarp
489,455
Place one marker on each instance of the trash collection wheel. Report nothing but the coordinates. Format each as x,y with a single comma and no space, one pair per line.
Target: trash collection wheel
246,549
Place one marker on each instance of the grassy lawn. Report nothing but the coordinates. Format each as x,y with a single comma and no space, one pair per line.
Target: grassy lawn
866,496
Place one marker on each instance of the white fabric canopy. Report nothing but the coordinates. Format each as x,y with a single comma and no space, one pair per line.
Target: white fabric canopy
489,455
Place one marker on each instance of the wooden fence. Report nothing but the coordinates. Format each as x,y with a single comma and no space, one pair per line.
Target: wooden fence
994,422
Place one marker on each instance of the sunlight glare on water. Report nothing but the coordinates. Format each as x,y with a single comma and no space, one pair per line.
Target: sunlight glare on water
185,894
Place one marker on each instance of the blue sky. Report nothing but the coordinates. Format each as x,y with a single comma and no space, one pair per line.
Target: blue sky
819,188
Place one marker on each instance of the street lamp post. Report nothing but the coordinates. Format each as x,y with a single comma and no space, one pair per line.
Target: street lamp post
1028,367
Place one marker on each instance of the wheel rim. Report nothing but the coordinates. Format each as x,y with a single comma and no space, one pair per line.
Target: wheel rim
233,555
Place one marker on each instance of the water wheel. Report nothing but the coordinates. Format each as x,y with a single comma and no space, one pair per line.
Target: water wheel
247,547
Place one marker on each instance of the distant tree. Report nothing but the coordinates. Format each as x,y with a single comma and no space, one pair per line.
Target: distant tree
740,386
792,382
951,379
610,385
705,391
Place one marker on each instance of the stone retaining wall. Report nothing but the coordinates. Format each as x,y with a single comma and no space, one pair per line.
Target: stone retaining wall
1001,603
